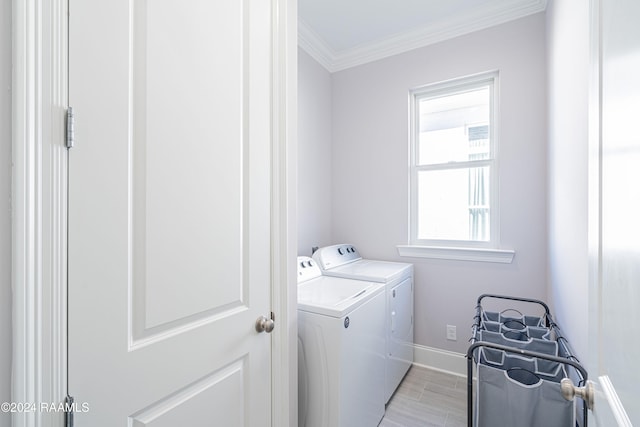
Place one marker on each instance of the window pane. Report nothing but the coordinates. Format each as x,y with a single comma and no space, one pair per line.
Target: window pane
453,204
454,128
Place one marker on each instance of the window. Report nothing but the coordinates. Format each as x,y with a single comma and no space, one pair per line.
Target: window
453,163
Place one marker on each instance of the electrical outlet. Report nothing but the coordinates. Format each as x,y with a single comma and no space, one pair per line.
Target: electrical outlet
451,333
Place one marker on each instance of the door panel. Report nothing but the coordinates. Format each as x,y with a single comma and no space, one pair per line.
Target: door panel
169,227
212,397
187,133
400,339
402,316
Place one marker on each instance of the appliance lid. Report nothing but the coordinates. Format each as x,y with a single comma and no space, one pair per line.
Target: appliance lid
372,270
334,296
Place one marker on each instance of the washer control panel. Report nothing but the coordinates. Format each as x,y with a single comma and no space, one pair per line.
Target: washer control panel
336,255
307,269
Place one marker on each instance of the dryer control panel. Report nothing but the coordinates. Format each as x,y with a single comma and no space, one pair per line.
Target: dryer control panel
336,255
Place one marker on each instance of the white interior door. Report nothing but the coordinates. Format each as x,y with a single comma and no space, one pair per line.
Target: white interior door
169,216
615,174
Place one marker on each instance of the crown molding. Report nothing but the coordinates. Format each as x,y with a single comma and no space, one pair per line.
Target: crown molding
315,46
474,20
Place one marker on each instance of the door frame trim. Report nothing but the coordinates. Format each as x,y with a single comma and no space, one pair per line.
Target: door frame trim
39,209
284,240
38,276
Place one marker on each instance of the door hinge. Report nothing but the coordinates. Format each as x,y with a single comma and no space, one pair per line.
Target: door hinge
70,123
68,411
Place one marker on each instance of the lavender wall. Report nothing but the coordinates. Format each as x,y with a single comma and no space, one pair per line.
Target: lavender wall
314,154
568,70
370,169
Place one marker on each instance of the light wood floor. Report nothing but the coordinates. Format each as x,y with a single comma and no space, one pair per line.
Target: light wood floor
428,398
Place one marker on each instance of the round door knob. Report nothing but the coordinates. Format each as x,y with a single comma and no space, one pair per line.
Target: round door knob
569,391
264,324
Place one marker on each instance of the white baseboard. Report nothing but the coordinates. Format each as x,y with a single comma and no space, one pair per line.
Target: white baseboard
440,360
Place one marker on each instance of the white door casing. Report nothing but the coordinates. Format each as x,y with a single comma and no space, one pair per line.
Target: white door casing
170,250
38,203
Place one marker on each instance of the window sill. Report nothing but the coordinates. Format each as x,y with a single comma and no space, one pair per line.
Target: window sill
503,256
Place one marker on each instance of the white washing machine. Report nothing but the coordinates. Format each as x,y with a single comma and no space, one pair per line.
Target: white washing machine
345,261
341,349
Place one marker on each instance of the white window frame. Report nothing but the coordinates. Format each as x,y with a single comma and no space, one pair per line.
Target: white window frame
455,249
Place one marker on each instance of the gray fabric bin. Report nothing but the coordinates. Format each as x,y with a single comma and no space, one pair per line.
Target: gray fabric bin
501,317
504,399
520,334
532,344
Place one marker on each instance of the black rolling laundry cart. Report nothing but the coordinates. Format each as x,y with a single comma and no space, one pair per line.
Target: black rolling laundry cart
524,369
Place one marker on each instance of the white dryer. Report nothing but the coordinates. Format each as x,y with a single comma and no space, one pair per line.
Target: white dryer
345,261
341,349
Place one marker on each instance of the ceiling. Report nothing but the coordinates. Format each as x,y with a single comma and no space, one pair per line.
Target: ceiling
343,33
